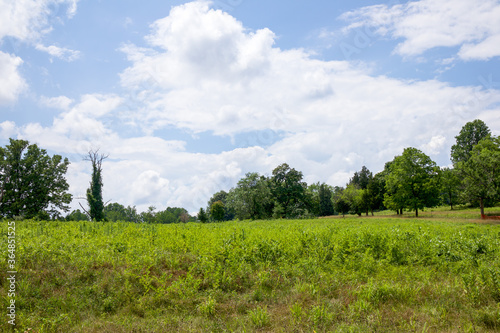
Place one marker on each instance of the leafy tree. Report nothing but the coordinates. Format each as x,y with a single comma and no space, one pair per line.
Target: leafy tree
312,199
172,215
376,189
94,192
413,181
202,216
31,182
325,200
148,216
353,196
132,215
470,135
482,172
362,178
339,202
289,190
115,212
77,215
251,198
217,211
450,182
222,197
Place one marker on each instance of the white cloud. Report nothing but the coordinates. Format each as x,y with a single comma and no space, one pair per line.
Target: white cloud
7,129
202,70
11,82
28,19
426,24
60,102
59,52
434,146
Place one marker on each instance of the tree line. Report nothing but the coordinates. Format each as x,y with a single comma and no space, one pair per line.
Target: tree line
412,181
32,185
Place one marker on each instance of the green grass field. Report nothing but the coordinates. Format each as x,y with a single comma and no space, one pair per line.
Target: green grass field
437,273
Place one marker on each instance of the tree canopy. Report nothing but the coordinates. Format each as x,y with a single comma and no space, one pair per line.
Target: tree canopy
413,181
470,135
32,184
481,171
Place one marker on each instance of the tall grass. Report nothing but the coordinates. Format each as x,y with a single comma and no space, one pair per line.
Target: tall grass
324,275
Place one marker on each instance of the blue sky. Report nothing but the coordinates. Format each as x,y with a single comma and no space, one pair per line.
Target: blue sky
187,97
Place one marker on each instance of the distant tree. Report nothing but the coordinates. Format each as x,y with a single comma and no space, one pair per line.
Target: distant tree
148,216
131,214
482,171
312,199
32,184
353,196
325,200
288,190
172,215
413,181
185,217
339,202
115,212
376,190
217,211
202,216
222,197
362,178
77,215
470,135
251,198
94,192
450,182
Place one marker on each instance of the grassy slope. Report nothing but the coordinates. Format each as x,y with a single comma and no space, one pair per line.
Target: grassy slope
440,273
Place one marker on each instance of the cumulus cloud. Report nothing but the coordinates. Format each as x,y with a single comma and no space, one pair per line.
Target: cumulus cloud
59,52
201,70
60,102
28,19
11,82
426,24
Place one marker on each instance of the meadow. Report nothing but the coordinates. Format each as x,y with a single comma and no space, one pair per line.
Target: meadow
437,273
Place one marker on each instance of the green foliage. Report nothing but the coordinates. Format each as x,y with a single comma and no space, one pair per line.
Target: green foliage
353,196
450,182
94,192
259,317
251,198
325,200
370,274
413,182
217,211
470,135
221,196
481,172
340,202
32,184
77,215
361,178
202,216
288,190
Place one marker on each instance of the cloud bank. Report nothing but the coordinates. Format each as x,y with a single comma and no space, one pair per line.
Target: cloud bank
200,70
473,26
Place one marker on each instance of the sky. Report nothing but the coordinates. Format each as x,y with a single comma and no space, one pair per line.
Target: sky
187,97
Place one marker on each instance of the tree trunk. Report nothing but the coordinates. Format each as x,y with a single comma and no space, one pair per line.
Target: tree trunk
416,212
481,204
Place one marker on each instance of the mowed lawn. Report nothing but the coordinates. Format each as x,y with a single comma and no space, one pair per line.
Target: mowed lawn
437,273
